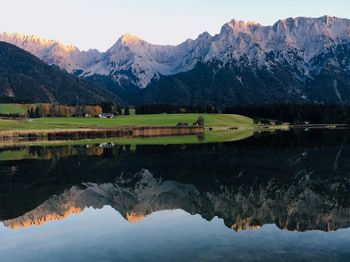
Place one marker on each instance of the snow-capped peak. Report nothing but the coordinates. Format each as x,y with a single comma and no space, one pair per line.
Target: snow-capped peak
129,38
68,57
34,42
306,37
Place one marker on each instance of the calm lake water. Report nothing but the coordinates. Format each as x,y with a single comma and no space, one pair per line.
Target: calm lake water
277,197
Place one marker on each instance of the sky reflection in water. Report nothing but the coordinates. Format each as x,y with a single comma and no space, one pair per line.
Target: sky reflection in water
165,235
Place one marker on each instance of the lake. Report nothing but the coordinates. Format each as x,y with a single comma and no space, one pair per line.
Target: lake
270,197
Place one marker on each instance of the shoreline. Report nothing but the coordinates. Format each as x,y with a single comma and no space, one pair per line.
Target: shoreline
90,133
320,126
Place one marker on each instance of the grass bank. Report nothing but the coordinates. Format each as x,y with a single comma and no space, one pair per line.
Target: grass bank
211,121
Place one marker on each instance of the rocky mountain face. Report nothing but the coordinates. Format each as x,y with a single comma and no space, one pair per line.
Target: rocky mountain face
67,57
25,78
295,60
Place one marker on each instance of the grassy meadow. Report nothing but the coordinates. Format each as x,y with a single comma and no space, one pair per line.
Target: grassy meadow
211,121
14,108
242,127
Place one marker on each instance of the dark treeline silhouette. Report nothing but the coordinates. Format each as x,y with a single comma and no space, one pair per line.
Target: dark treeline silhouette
127,111
295,113
174,109
13,100
292,113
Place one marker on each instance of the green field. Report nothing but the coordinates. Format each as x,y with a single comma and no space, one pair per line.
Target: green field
14,108
211,120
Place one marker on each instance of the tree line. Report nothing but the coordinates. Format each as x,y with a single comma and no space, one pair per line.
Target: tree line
295,113
53,110
56,110
174,109
292,113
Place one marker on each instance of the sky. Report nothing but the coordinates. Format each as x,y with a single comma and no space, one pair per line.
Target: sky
99,23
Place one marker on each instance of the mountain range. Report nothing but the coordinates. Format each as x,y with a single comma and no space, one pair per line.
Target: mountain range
25,78
296,60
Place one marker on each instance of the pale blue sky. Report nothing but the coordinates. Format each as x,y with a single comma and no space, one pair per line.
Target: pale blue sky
99,23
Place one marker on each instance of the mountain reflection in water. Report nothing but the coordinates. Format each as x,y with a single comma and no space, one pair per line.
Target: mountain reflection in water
296,181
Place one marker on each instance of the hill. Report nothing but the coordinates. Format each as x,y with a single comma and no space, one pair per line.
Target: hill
24,77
